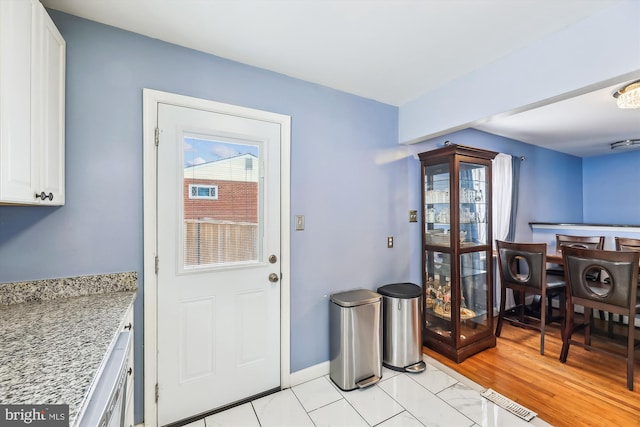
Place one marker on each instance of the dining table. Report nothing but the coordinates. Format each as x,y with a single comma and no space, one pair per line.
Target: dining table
555,258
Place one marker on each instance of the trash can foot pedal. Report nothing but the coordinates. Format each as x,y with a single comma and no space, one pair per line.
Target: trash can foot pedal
416,367
368,381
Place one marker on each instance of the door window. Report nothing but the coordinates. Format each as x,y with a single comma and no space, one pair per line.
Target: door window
221,194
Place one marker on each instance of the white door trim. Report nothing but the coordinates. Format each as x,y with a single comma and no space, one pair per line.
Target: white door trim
151,99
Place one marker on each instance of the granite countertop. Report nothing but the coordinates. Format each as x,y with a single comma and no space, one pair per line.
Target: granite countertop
52,348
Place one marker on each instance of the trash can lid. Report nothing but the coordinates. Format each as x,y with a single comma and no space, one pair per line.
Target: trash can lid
355,297
400,290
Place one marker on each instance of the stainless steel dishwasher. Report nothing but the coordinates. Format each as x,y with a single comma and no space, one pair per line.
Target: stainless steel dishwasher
105,404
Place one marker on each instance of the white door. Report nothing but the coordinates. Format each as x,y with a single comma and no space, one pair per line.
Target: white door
218,237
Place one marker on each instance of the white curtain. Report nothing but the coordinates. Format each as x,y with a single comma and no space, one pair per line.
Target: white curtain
501,208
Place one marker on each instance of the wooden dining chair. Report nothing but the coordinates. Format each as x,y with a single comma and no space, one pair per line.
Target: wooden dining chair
625,244
586,242
617,295
522,268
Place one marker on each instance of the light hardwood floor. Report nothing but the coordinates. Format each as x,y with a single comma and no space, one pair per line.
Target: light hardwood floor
589,390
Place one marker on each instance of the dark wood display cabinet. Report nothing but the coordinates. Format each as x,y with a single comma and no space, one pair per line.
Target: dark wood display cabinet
457,251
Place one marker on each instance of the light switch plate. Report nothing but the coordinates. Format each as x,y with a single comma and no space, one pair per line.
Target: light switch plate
413,216
299,222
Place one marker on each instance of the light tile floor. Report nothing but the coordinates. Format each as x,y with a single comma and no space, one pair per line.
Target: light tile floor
436,397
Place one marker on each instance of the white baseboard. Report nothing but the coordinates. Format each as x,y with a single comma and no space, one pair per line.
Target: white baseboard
310,373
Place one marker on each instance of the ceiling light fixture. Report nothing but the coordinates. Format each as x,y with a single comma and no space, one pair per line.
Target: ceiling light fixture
624,144
629,95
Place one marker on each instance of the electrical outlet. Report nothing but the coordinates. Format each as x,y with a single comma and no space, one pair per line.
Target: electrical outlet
390,241
413,216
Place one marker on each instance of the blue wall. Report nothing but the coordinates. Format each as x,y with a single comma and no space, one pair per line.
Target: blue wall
352,198
611,188
554,187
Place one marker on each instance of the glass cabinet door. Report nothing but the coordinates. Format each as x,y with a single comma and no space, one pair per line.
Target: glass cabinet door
437,209
473,209
473,302
438,293
475,307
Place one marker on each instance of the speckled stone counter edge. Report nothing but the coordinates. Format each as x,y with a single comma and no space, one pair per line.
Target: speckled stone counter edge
44,290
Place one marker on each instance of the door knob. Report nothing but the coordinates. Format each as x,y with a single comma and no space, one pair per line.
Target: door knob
273,277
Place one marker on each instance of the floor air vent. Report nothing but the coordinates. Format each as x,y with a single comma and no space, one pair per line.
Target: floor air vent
509,405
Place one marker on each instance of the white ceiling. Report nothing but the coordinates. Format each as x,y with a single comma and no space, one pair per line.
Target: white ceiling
583,125
387,50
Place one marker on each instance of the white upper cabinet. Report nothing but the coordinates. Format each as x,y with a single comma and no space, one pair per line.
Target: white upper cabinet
32,88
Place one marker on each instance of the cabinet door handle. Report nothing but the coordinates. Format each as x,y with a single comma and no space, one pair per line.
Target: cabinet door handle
44,196
128,326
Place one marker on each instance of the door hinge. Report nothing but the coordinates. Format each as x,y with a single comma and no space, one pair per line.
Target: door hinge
157,392
157,137
157,263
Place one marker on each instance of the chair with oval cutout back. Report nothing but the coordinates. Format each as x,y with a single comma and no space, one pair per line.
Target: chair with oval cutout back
586,242
522,268
625,244
616,295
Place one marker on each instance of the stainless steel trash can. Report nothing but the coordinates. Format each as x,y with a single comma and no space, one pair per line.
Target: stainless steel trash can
402,332
355,335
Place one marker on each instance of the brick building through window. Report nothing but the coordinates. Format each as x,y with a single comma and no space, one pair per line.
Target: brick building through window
221,211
